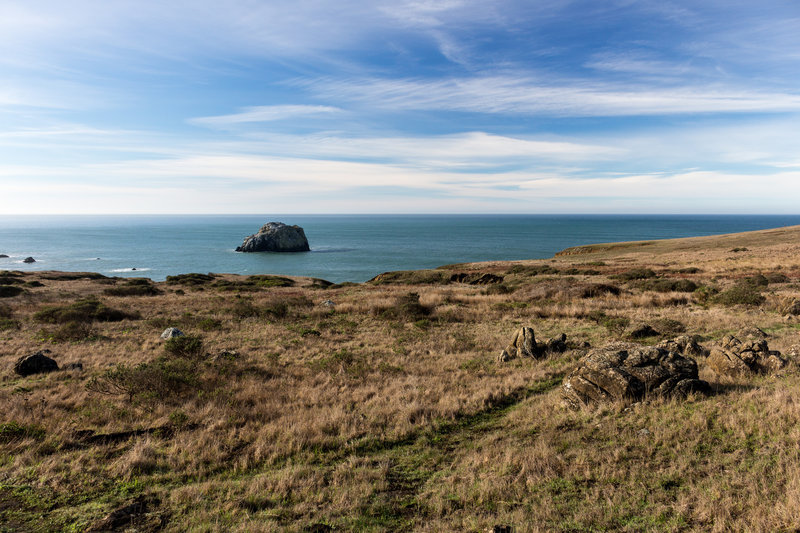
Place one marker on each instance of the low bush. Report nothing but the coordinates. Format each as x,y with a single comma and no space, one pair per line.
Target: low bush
159,379
407,308
533,270
9,291
81,311
666,285
70,332
669,326
192,278
634,274
599,289
500,288
412,277
740,294
133,287
13,430
776,277
187,347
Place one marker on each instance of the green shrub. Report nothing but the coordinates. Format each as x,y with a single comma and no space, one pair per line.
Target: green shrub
271,281
635,273
133,287
8,323
70,332
533,270
412,277
9,291
776,277
187,347
81,311
499,288
669,326
192,278
13,430
740,294
599,289
689,270
666,285
158,379
209,324
408,308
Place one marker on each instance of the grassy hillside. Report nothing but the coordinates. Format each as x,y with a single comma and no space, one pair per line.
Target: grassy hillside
293,405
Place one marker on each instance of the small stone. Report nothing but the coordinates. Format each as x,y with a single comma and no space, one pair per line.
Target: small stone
170,333
644,432
328,303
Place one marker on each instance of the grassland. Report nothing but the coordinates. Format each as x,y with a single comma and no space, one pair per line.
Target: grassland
295,405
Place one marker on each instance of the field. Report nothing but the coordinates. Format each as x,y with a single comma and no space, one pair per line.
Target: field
296,405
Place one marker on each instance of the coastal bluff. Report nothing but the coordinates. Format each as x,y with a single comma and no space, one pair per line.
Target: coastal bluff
276,237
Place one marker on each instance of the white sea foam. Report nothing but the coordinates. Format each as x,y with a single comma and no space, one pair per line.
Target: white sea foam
137,269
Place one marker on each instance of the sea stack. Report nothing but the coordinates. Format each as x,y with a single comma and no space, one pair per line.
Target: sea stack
276,237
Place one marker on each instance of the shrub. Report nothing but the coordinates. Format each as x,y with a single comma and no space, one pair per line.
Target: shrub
776,277
133,287
187,347
161,378
669,326
190,279
740,294
8,277
533,270
500,288
407,307
209,324
667,285
8,323
14,430
635,273
599,289
70,332
271,281
9,291
81,311
758,280
689,270
412,277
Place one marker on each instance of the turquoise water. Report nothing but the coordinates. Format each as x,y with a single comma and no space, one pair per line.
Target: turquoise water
344,247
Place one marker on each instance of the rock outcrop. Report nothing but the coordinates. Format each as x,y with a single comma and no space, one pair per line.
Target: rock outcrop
685,345
734,357
524,345
631,372
276,237
37,363
29,260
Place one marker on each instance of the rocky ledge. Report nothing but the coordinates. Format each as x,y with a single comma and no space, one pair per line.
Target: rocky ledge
276,237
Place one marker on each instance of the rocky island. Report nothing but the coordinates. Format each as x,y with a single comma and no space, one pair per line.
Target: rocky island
276,237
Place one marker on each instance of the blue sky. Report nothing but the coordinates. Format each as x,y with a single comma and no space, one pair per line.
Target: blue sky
452,106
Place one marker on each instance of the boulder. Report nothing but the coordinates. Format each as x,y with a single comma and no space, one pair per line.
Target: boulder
37,363
641,331
685,345
169,333
29,260
276,237
630,372
3,256
734,357
522,345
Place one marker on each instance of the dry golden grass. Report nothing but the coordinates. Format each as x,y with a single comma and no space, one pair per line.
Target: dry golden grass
389,412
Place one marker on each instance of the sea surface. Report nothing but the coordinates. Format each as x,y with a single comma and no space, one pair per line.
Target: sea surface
343,247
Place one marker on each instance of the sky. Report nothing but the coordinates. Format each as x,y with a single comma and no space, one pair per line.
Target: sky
450,106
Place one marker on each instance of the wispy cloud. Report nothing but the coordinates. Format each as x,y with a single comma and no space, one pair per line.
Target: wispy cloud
266,113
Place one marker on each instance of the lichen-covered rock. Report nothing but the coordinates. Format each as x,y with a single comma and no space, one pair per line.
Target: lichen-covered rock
734,357
276,237
631,372
685,345
37,363
522,345
170,333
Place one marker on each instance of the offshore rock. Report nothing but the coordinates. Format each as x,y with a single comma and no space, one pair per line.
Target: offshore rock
276,237
29,260
624,372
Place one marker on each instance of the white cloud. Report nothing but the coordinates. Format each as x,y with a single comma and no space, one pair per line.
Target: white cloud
266,113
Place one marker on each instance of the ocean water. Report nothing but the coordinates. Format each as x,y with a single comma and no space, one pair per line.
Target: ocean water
343,247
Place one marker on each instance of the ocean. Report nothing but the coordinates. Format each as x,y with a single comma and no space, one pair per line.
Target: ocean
343,247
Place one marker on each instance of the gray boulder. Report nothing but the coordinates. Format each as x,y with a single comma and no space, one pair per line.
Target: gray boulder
170,333
37,363
522,345
29,260
276,237
627,372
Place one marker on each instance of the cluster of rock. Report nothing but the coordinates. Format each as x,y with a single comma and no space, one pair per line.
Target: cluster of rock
40,363
276,237
524,345
629,372
734,357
